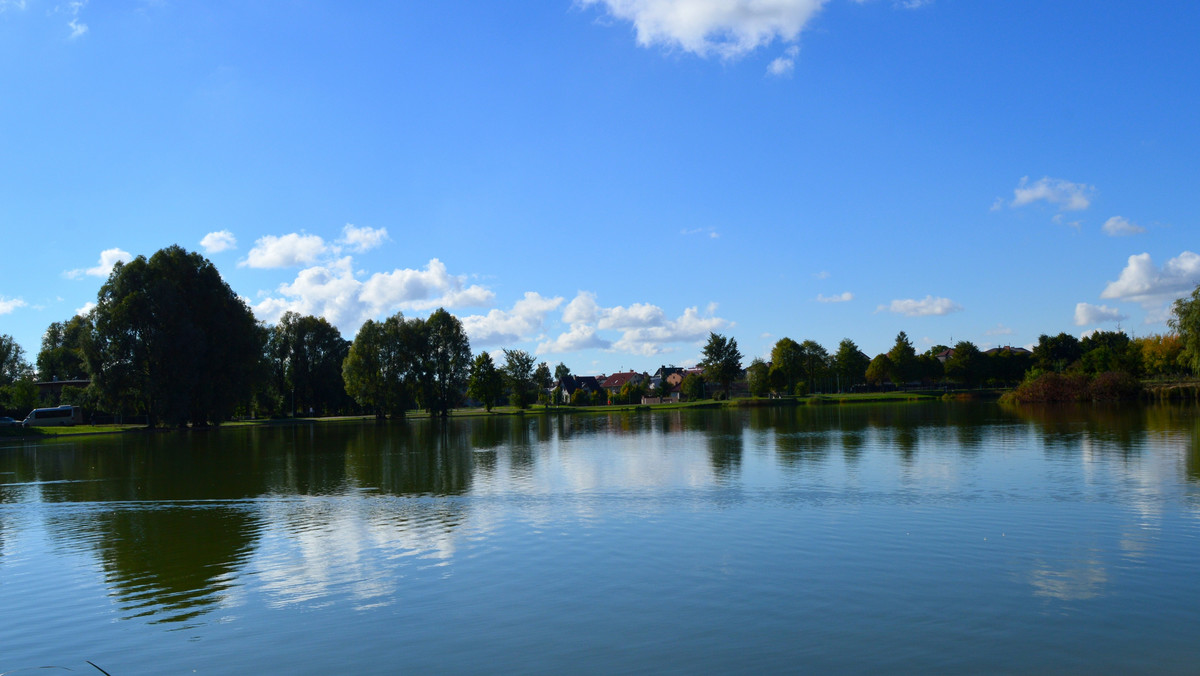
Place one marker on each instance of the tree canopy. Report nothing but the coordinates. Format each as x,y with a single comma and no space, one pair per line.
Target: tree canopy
307,354
1185,319
172,340
722,361
518,375
486,383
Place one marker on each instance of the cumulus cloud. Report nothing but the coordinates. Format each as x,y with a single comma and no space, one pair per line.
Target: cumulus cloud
332,291
844,297
108,258
644,328
85,309
928,306
290,250
1155,288
364,239
784,65
7,305
1086,313
726,28
216,242
523,322
1067,196
1118,226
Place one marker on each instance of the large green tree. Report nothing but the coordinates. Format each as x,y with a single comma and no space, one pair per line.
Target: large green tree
850,363
722,361
1056,353
380,368
486,383
518,375
445,363
1185,320
814,363
17,391
904,360
307,354
967,366
758,378
786,365
172,340
61,355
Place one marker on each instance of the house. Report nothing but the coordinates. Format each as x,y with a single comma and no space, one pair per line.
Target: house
569,385
616,381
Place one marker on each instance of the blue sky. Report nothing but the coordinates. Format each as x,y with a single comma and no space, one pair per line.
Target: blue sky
603,183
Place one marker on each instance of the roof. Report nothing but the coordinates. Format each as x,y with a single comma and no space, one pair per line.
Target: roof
618,380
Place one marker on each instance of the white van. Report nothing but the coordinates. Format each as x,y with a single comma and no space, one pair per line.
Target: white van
59,415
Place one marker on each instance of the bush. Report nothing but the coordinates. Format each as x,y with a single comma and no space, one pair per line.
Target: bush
1114,386
1050,387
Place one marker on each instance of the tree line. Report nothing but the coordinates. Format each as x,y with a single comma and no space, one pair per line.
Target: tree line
169,340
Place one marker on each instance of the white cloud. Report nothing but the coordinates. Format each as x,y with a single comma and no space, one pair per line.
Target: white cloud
1143,282
289,250
1086,313
363,239
216,242
824,274
711,232
1118,226
6,5
998,330
87,307
689,327
72,10
108,258
332,291
784,65
7,305
727,28
644,327
844,297
1066,195
580,337
523,322
929,306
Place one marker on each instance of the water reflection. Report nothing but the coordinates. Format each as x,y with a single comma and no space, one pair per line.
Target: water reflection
186,527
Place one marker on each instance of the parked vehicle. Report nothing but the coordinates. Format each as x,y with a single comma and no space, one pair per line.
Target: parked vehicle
8,422
59,415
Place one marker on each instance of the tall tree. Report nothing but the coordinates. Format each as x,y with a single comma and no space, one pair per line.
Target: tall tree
380,368
172,340
1185,320
518,375
486,383
692,387
13,366
786,365
561,371
1056,353
447,361
850,363
814,363
722,361
307,355
758,377
542,380
879,370
61,355
904,360
966,366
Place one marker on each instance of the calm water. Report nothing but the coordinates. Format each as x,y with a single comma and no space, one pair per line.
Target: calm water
945,538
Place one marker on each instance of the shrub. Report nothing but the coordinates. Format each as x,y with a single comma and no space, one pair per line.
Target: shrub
1114,386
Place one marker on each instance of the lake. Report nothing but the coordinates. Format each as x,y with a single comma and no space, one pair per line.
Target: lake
948,537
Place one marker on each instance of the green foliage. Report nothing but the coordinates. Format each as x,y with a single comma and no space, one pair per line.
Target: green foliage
486,383
1056,353
561,371
757,378
1105,351
13,365
307,357
381,367
1160,355
1185,320
879,370
692,387
61,354
967,365
444,363
542,380
904,360
172,340
814,362
722,361
786,365
518,375
850,363
1052,387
